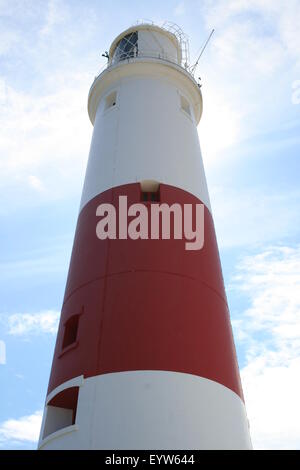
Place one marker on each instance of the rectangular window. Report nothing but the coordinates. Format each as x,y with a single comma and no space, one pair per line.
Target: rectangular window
111,100
71,330
61,411
185,106
127,47
150,196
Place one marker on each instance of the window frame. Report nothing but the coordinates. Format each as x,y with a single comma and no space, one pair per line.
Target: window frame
65,348
185,103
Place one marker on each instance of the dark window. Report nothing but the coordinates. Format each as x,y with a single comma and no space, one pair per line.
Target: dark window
127,47
154,197
150,196
71,329
61,411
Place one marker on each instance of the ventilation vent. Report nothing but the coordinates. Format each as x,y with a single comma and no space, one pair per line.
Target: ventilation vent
61,411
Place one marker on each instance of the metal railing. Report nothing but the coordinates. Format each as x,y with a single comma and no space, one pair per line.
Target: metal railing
155,54
148,54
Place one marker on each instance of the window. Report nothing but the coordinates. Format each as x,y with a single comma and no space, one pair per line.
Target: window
150,196
61,411
127,47
185,105
70,333
111,100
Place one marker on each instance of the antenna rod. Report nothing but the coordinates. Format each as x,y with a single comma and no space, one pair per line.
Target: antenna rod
203,49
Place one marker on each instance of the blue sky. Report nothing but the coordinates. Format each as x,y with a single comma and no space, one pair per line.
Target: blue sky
50,52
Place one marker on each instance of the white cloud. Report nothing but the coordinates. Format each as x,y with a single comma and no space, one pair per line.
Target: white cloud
249,216
36,183
262,24
247,70
56,14
179,9
272,401
2,353
45,140
270,329
38,131
220,125
8,39
51,260
24,429
45,129
23,324
271,280
2,91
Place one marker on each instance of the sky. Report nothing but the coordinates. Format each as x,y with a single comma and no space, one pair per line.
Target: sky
50,52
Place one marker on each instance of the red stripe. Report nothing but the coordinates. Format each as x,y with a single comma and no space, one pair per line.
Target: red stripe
147,304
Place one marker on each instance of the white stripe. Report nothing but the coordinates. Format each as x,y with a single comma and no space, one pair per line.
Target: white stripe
155,410
145,136
76,382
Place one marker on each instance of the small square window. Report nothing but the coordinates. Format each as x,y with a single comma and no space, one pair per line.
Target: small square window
154,197
111,100
185,106
71,330
150,196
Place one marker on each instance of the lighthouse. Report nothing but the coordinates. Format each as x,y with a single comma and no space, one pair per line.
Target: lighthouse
144,356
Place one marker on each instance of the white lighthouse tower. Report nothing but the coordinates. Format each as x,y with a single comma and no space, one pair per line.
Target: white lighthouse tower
144,357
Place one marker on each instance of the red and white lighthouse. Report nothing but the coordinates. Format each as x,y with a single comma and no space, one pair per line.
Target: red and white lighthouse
144,357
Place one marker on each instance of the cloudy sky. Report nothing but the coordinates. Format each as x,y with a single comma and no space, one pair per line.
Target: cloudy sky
50,52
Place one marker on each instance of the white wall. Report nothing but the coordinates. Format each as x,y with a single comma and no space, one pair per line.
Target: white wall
56,418
145,136
155,410
153,43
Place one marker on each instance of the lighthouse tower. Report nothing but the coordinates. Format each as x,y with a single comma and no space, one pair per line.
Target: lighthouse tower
144,357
